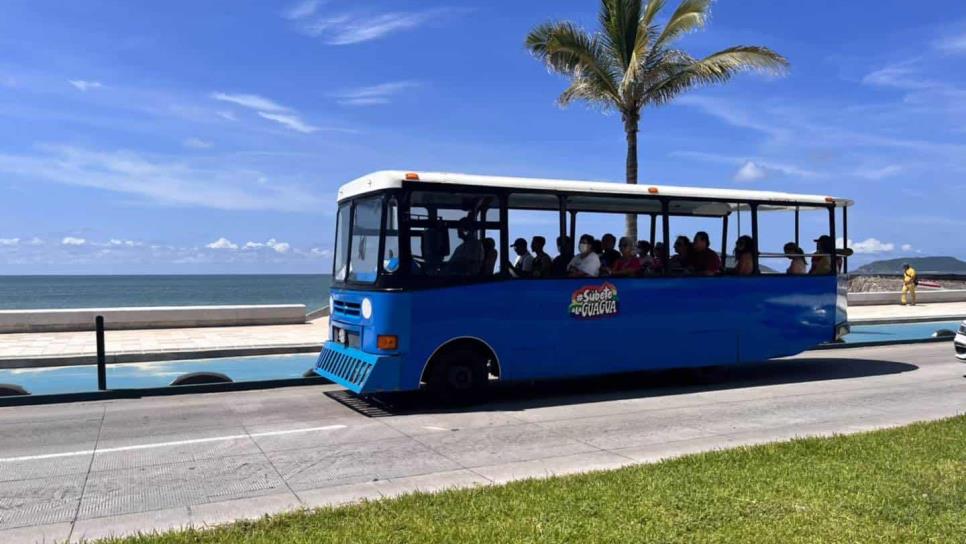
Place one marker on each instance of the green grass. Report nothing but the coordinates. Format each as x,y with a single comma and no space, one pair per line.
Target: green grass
902,485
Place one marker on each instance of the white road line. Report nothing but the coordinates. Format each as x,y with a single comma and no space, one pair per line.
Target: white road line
175,443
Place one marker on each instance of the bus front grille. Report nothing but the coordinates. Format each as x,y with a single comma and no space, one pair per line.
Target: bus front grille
346,308
346,367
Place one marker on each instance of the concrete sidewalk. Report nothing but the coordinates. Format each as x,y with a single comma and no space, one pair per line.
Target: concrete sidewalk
23,350
896,313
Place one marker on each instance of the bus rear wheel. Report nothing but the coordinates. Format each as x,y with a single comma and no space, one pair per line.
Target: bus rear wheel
459,376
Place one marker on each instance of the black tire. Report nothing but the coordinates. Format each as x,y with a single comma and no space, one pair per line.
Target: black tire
459,376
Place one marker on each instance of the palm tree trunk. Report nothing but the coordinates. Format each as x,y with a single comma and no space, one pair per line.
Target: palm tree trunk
631,121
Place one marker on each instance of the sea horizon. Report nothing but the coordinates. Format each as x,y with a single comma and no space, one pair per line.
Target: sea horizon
66,291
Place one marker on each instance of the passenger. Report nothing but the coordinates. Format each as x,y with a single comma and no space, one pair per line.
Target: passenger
660,257
565,253
703,259
644,254
822,258
542,264
586,264
608,255
489,256
597,247
745,256
629,264
467,258
795,254
523,265
681,261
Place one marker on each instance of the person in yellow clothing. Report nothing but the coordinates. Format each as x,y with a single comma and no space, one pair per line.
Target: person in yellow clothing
909,282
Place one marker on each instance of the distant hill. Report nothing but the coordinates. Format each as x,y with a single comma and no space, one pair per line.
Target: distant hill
936,265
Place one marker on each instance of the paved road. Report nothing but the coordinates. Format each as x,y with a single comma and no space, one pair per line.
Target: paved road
91,469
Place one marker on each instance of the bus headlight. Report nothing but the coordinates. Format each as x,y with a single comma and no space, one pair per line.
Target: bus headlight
366,308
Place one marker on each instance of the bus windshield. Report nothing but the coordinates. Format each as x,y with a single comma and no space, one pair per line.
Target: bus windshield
357,241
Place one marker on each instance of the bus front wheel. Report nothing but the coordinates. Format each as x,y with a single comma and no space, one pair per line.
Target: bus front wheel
459,376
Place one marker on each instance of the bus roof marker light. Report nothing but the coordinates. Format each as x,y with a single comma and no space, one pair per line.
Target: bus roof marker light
652,190
830,200
412,176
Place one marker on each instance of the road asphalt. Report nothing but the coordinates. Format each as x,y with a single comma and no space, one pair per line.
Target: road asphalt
89,470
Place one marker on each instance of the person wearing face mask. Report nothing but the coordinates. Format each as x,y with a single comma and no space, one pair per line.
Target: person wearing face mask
467,258
586,264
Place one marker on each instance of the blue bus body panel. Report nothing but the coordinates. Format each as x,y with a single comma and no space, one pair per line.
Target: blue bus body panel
577,327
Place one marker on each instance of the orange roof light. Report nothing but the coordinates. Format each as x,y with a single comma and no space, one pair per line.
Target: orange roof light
412,176
652,190
830,200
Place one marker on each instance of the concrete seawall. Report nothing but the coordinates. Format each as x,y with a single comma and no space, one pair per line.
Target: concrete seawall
923,296
82,319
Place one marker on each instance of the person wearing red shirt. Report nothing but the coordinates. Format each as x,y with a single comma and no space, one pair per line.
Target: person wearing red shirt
628,264
703,260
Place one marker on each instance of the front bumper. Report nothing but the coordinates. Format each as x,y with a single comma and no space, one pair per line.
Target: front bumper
358,371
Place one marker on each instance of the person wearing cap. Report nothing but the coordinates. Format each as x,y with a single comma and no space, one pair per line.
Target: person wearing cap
822,259
523,265
910,280
797,257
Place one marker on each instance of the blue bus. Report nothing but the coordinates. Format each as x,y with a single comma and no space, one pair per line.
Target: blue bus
425,294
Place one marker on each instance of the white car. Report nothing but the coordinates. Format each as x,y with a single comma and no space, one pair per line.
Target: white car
960,342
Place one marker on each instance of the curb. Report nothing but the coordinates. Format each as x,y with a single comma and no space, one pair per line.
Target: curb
156,356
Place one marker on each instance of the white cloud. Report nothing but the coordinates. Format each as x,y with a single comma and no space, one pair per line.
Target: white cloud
72,241
196,143
160,180
227,115
320,252
879,173
303,9
375,94
953,44
251,101
125,243
273,244
34,242
869,246
346,29
222,243
750,172
84,86
906,247
9,241
290,121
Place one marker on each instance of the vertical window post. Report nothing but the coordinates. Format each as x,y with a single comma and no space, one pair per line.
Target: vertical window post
845,238
797,226
831,231
573,230
562,202
754,235
504,233
666,227
653,229
724,241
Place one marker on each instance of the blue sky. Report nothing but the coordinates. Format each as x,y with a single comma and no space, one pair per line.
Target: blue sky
210,137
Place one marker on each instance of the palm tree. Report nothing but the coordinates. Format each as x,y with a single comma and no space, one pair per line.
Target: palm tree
630,63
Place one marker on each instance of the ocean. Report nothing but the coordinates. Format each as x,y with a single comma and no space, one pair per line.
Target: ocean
49,292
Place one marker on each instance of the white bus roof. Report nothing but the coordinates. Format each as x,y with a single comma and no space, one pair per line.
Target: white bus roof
395,179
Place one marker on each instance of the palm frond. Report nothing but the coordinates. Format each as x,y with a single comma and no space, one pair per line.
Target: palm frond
568,50
688,17
619,19
651,11
713,69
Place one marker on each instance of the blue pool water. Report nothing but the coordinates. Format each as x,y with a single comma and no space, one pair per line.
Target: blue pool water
45,381
897,332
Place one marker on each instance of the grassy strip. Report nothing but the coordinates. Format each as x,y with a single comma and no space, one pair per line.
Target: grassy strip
901,485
